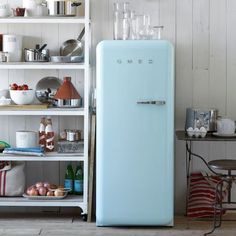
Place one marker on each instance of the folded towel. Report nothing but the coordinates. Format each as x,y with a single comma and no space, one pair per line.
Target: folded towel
36,151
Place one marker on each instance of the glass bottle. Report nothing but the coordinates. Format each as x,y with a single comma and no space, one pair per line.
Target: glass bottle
69,178
49,133
42,136
117,22
133,28
126,21
79,179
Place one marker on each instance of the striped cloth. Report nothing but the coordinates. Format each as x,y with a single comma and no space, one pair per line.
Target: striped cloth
202,195
4,167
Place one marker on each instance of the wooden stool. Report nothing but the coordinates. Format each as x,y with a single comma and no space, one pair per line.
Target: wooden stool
227,165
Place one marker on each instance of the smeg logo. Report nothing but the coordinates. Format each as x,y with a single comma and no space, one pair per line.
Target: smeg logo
136,61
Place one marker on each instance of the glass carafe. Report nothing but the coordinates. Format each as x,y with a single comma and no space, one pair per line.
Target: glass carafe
126,21
117,21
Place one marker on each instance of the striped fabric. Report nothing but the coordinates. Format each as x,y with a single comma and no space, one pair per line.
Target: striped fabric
201,197
3,173
3,183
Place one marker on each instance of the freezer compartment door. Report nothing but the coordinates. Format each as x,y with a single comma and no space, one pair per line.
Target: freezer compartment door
135,105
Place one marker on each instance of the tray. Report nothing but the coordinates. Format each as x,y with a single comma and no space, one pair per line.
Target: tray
44,197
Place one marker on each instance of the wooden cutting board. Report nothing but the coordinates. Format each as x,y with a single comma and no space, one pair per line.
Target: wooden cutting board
24,107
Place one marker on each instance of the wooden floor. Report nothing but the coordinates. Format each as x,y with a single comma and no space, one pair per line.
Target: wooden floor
69,225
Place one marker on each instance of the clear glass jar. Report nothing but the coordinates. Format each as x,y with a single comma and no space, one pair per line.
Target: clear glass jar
156,32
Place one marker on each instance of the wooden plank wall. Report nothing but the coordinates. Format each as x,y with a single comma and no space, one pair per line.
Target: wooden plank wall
204,35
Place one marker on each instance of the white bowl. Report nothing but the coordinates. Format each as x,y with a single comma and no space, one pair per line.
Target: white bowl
22,97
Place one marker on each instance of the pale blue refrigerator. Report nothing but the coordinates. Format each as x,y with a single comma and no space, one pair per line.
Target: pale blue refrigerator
135,133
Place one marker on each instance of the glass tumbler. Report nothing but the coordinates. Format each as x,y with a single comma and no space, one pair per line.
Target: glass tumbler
143,26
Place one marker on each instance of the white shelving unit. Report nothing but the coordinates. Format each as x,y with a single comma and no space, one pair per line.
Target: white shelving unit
41,66
69,201
46,112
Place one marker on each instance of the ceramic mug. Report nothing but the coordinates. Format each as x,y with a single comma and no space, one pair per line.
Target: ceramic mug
4,10
225,126
13,45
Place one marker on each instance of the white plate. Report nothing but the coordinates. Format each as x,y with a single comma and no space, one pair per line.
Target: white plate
44,197
224,135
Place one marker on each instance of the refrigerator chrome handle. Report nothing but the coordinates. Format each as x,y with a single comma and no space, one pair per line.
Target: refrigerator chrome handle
151,102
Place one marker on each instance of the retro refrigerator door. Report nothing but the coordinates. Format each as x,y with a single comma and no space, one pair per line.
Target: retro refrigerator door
135,105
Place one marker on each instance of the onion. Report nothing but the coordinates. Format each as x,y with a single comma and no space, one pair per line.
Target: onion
33,192
29,188
53,186
42,191
39,184
46,185
50,193
58,193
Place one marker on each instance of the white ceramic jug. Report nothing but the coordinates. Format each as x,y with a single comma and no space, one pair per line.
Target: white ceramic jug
13,45
225,126
4,10
31,7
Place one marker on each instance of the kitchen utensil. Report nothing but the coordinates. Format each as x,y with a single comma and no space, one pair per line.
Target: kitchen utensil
19,11
66,59
62,8
225,126
69,102
26,139
4,10
41,10
67,95
197,118
46,89
13,45
73,47
22,97
36,55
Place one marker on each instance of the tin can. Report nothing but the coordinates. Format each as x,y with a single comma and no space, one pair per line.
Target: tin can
77,135
70,135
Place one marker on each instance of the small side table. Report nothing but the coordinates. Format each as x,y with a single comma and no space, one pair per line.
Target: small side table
182,135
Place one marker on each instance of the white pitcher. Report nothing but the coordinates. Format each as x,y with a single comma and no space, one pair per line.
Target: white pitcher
225,126
4,10
31,7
